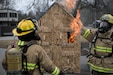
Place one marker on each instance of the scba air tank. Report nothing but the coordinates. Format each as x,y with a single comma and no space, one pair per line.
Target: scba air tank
14,61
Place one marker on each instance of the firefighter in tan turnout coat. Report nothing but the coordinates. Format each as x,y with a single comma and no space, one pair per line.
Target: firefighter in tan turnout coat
101,53
36,56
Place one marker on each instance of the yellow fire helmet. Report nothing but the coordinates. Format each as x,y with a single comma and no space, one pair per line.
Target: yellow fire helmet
107,17
24,27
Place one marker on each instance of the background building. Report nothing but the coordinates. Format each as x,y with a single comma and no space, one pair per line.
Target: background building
8,21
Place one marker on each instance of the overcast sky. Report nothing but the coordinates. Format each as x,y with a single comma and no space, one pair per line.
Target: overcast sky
24,5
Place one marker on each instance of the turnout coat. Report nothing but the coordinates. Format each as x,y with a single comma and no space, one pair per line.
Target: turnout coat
101,51
35,54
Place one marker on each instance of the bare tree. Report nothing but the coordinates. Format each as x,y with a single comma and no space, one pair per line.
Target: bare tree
94,10
1,1
90,9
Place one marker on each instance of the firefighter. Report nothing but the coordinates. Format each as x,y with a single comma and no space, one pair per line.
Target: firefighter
101,51
35,55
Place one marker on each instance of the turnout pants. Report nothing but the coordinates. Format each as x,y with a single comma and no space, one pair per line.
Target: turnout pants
100,73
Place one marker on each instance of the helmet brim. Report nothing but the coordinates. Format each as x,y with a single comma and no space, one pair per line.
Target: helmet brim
14,31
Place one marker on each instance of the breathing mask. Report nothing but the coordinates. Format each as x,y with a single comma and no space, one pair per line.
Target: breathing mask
104,27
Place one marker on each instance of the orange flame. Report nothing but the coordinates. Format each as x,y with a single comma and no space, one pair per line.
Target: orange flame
76,25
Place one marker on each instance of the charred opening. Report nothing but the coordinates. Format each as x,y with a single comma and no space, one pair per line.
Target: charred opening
68,35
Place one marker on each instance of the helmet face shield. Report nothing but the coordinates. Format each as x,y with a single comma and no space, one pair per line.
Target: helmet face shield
103,24
20,31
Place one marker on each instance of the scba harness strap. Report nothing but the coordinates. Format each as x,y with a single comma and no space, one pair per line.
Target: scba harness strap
103,49
27,68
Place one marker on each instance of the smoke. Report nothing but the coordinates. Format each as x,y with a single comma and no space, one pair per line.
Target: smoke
62,2
68,4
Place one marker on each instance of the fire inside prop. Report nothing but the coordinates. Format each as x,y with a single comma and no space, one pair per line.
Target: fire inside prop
76,24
